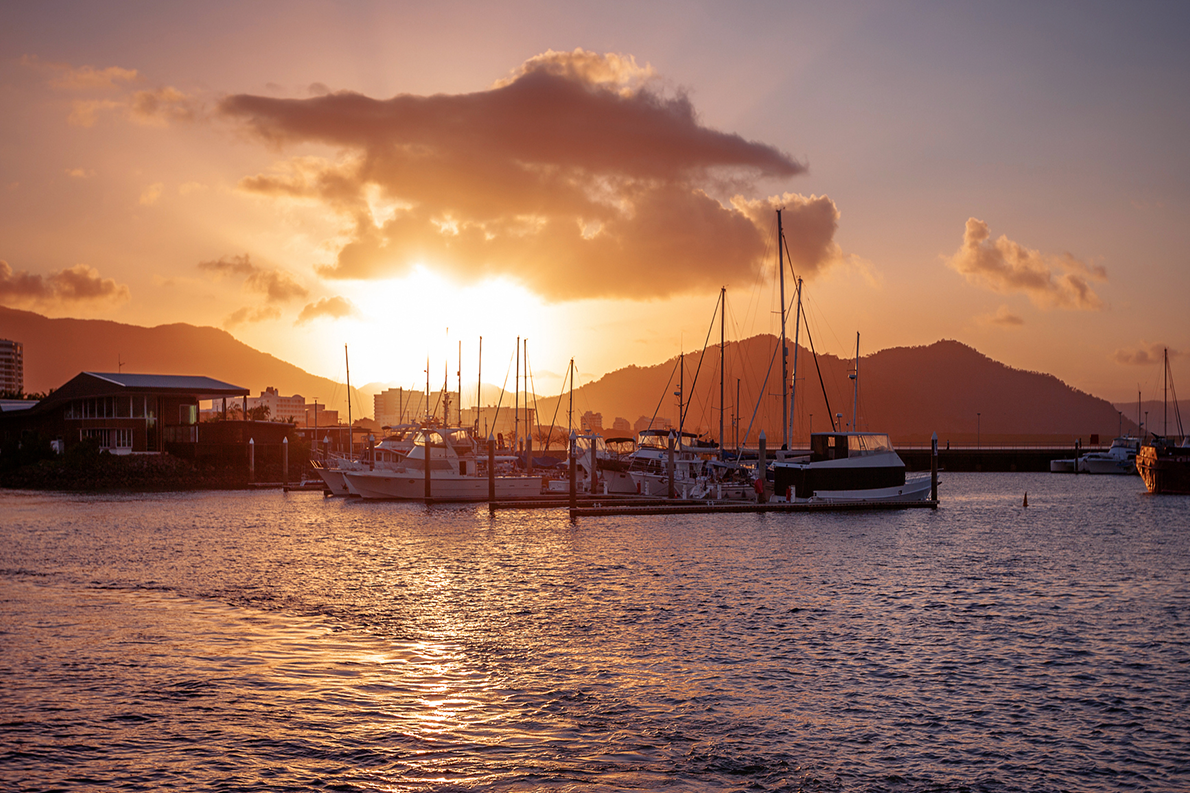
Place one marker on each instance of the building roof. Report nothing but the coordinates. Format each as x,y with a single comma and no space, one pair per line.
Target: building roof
190,384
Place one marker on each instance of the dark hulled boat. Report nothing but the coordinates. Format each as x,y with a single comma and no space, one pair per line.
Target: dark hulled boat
1162,463
1165,467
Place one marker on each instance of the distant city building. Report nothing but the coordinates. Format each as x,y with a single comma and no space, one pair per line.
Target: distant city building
500,423
621,426
395,406
281,408
658,423
591,422
12,366
318,416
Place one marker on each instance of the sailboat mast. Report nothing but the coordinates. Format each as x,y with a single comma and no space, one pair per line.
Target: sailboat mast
459,373
570,409
681,395
516,397
722,338
797,326
784,349
855,396
1165,397
350,431
479,388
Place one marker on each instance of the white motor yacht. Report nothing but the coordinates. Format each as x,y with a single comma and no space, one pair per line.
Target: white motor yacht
848,467
453,469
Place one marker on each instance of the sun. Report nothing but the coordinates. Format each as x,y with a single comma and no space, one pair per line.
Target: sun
402,322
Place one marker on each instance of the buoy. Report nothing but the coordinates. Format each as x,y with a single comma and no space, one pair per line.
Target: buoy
1026,498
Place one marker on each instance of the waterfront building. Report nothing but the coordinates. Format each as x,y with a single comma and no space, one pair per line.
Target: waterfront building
395,406
12,366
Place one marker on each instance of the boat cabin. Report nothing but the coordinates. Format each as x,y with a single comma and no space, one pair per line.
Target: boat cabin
845,445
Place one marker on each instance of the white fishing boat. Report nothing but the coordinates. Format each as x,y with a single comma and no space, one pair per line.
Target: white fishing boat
648,465
1120,458
848,467
453,473
388,455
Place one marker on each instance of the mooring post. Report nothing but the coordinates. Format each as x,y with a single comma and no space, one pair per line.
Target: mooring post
573,474
251,461
285,462
491,474
934,468
669,467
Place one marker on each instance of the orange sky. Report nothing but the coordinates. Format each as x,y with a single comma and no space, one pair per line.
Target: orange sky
402,179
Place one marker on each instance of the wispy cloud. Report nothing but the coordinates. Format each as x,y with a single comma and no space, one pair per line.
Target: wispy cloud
1004,266
112,89
1146,354
1003,317
579,175
78,284
278,286
333,307
250,315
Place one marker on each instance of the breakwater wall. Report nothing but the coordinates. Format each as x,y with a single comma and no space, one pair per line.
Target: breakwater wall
997,459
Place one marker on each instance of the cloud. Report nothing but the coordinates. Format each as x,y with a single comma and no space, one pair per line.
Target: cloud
578,175
1148,354
114,86
1005,266
150,194
64,77
334,307
79,173
1003,316
278,286
248,314
78,284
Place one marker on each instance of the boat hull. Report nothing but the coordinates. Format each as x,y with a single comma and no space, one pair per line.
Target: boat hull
1165,471
443,487
1106,465
335,481
1063,466
913,490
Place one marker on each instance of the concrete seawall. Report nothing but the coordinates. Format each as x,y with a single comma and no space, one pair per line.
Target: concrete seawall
999,459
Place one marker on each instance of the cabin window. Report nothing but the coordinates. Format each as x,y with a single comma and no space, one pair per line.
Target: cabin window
187,414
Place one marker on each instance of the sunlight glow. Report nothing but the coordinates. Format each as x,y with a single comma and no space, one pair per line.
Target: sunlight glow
404,321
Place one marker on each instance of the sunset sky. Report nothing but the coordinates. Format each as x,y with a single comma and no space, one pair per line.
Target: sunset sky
403,177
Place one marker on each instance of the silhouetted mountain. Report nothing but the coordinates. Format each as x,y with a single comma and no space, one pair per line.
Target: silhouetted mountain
58,349
910,392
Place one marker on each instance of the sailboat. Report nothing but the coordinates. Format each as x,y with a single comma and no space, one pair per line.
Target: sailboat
1163,463
843,467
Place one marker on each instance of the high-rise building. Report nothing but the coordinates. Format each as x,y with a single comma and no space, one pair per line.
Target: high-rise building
12,366
396,406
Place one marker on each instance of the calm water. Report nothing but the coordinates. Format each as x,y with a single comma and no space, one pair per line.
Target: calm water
261,640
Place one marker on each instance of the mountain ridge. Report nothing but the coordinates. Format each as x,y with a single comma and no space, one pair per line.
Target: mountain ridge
911,392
